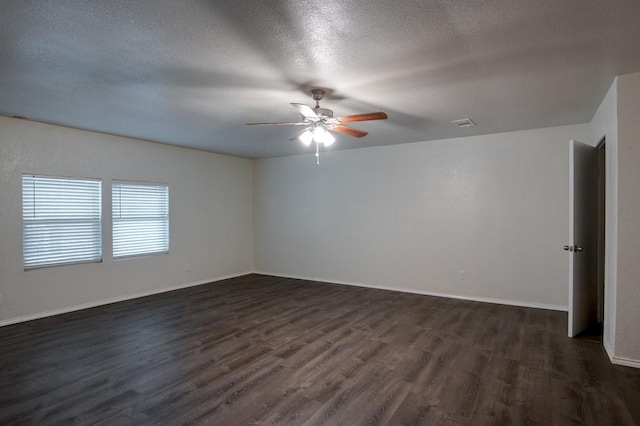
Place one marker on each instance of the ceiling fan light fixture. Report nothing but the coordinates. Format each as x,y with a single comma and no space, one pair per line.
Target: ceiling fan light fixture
328,139
306,137
318,134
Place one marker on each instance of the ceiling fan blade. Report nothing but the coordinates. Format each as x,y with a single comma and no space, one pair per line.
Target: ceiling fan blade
278,123
363,117
306,111
348,131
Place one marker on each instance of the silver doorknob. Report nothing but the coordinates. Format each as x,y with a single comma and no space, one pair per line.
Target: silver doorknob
566,248
577,248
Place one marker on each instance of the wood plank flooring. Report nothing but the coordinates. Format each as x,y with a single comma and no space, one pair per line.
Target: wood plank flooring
260,350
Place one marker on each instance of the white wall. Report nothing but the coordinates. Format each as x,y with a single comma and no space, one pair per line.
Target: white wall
627,340
410,216
605,124
210,216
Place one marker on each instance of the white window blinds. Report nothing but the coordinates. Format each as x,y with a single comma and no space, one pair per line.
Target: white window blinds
140,218
61,220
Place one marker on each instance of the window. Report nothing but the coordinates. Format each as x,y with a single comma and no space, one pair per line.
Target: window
140,218
61,221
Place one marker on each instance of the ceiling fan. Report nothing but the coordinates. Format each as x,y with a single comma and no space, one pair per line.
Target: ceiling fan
319,121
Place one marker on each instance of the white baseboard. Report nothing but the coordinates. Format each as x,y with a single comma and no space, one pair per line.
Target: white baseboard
428,293
607,348
618,360
115,299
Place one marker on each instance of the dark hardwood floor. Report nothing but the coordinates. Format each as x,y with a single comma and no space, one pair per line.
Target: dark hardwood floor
265,350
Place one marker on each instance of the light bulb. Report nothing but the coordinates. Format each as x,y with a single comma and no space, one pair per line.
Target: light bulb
318,134
306,137
328,139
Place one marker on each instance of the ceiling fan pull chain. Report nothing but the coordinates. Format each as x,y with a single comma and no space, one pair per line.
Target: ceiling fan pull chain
317,153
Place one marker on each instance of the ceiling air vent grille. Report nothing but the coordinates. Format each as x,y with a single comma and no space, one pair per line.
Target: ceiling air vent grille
464,122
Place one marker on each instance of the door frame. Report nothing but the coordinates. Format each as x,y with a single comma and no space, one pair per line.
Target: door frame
601,146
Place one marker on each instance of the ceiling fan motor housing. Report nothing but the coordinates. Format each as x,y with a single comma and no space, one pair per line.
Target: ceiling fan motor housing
323,112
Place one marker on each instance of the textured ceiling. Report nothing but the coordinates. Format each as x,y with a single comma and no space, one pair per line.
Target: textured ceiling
191,72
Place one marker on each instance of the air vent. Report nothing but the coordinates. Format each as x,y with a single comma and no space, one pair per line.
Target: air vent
464,122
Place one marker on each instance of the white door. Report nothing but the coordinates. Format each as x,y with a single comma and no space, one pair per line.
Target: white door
583,237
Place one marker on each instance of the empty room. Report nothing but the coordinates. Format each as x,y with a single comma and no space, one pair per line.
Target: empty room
305,213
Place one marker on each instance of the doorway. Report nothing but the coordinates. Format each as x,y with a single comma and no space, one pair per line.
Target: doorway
587,201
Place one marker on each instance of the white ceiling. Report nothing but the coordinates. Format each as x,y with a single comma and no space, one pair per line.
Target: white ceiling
191,72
